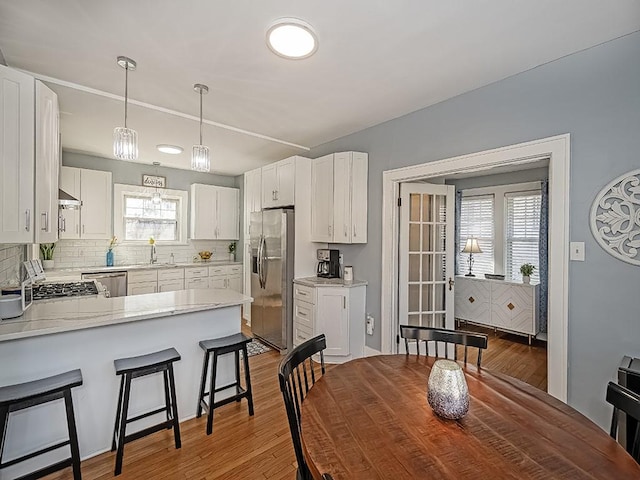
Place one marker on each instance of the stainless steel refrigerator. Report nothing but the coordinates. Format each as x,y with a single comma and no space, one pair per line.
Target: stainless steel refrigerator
271,233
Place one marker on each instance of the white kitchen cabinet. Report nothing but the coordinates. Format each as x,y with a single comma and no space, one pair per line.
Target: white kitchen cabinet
170,285
142,288
278,179
47,160
214,212
253,190
92,221
226,276
196,283
170,279
499,304
337,311
322,199
17,155
339,193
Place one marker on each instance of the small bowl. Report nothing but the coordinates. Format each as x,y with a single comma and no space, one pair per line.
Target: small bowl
205,255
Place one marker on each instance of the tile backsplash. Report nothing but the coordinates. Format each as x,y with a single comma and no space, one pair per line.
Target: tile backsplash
11,258
92,253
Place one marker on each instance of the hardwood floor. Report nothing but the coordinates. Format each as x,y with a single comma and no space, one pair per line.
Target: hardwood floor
511,354
259,447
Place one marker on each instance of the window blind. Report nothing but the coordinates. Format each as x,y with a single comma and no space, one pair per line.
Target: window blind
476,220
523,231
143,219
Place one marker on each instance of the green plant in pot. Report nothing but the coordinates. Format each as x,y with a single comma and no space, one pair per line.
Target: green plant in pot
232,251
526,269
46,249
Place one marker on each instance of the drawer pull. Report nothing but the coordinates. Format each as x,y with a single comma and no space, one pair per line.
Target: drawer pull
511,306
301,313
471,299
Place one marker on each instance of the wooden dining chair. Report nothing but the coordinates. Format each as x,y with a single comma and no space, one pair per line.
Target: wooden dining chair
441,335
297,374
326,476
628,402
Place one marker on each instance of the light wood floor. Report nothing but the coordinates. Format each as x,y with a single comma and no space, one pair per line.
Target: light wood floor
259,447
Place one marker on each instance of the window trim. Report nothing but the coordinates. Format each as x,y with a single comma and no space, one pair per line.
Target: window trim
463,257
121,190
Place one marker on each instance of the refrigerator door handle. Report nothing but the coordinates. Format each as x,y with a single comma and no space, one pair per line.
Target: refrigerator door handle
263,272
259,262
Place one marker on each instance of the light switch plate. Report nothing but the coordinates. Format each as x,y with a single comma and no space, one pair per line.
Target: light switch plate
576,251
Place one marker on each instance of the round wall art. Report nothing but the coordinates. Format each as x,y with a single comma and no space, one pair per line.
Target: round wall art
615,218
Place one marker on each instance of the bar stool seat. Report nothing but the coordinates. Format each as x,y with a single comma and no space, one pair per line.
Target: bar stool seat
24,395
219,346
134,367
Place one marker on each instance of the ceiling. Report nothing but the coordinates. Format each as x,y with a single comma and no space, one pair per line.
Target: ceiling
376,61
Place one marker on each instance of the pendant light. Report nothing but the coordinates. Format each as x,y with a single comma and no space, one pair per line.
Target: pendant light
200,154
125,140
156,199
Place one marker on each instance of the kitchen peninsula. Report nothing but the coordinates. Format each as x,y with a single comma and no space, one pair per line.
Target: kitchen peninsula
89,333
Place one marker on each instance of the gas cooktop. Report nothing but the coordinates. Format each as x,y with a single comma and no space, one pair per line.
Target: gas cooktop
56,290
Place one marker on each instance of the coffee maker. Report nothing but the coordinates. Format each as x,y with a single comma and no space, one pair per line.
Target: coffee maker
328,263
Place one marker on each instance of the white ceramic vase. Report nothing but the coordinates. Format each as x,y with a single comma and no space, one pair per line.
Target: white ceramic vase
448,393
48,264
526,279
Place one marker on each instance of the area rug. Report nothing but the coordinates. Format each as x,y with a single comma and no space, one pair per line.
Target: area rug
256,348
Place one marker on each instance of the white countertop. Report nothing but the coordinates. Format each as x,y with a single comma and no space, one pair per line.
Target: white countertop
328,282
141,266
76,313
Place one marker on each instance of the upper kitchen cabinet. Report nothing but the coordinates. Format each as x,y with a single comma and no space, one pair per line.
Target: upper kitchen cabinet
339,198
93,219
214,212
29,147
253,190
47,164
278,183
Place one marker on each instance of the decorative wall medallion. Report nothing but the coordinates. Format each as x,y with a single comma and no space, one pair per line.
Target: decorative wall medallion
615,218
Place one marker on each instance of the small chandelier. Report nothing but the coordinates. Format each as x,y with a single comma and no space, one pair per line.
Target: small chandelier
125,140
200,154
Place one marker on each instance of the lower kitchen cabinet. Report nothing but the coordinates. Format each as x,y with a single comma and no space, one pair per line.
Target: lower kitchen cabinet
226,276
337,311
141,288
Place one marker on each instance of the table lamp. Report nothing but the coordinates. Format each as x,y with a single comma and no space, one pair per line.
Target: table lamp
471,247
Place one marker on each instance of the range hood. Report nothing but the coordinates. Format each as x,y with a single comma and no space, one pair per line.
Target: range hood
67,201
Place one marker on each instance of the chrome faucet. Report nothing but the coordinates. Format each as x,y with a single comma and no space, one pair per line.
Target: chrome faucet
154,256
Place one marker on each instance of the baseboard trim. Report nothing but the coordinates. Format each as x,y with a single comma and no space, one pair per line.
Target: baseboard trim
371,352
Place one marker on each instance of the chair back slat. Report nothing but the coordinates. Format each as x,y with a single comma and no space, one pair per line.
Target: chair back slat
447,337
627,401
294,388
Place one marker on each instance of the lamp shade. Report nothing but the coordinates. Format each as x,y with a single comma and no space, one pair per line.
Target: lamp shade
472,246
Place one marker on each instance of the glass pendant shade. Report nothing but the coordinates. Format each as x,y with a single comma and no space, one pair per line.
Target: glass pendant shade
200,153
200,158
156,199
125,140
125,143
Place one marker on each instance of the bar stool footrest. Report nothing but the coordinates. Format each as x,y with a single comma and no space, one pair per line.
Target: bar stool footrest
35,454
43,472
148,431
148,414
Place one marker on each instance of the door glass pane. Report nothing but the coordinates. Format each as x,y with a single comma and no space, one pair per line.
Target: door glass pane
414,207
414,267
427,266
413,320
440,267
414,298
427,297
414,237
438,296
427,240
438,320
426,208
427,320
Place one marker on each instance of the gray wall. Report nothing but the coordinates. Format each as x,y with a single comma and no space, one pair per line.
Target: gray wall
520,176
595,96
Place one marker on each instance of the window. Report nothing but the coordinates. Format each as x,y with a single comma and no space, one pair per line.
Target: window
137,218
522,233
144,219
476,220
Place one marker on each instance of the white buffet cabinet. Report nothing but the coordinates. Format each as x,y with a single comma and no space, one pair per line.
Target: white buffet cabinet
503,305
331,307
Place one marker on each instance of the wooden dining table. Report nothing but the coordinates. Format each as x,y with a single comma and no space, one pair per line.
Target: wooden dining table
369,419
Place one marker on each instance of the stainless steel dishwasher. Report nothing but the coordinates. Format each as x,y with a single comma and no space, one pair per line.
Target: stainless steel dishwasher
115,283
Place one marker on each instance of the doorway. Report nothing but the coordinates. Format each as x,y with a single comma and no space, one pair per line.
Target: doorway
556,149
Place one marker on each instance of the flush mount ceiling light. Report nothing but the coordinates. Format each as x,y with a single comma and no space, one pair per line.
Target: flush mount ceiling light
200,154
125,140
292,38
170,149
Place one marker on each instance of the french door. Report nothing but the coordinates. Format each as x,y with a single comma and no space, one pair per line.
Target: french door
426,256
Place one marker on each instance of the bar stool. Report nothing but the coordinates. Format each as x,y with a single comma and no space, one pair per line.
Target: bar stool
232,344
141,366
30,394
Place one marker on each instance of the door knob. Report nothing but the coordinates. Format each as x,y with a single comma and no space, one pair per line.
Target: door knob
451,283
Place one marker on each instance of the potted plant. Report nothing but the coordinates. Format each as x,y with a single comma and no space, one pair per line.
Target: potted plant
526,269
46,249
232,251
